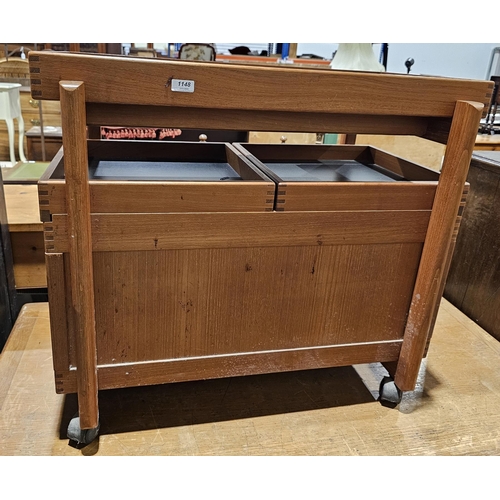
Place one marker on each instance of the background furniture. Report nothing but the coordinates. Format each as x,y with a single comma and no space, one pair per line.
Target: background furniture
26,235
473,283
8,310
245,244
197,52
17,70
10,110
52,140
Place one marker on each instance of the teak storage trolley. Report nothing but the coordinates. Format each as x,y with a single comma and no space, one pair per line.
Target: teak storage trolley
227,260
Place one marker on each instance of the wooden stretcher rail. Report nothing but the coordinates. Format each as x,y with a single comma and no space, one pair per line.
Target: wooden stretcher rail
257,120
263,88
180,370
121,232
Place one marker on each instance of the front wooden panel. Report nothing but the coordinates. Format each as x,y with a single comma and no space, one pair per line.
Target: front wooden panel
158,197
188,303
297,196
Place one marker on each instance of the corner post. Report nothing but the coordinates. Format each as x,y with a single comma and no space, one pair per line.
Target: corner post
72,95
447,200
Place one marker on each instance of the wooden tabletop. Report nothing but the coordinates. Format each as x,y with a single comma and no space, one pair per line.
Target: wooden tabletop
453,411
21,201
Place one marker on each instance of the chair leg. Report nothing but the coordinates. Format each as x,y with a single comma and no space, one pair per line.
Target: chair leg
20,124
10,131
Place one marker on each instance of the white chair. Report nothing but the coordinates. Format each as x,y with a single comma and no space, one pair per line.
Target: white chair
10,108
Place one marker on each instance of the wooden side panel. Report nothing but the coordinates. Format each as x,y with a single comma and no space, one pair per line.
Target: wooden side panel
405,168
300,196
58,307
122,232
188,303
219,86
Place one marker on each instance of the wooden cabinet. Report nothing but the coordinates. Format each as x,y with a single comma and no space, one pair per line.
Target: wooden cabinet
473,283
52,143
155,280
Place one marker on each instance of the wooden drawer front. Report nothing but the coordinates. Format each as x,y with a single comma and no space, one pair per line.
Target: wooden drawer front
299,196
372,179
128,197
252,192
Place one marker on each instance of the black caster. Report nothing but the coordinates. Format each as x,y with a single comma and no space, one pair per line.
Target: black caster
389,393
79,435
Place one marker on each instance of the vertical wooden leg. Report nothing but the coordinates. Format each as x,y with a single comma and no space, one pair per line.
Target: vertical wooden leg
73,116
437,243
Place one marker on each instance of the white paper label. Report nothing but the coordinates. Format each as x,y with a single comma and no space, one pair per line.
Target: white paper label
182,85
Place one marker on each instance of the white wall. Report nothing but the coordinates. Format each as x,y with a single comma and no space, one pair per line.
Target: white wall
459,60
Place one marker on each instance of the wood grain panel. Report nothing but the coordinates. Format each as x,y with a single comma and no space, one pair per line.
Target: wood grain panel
21,202
188,303
298,196
120,232
306,90
161,197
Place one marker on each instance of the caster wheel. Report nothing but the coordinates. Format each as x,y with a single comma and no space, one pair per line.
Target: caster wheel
79,435
390,395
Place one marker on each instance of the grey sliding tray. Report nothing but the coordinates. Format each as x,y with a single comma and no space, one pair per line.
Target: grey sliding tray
328,171
162,171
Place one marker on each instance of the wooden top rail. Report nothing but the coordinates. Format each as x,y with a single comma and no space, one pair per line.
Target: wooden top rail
125,80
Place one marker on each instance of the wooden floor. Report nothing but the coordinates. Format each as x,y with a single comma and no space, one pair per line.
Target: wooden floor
454,411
